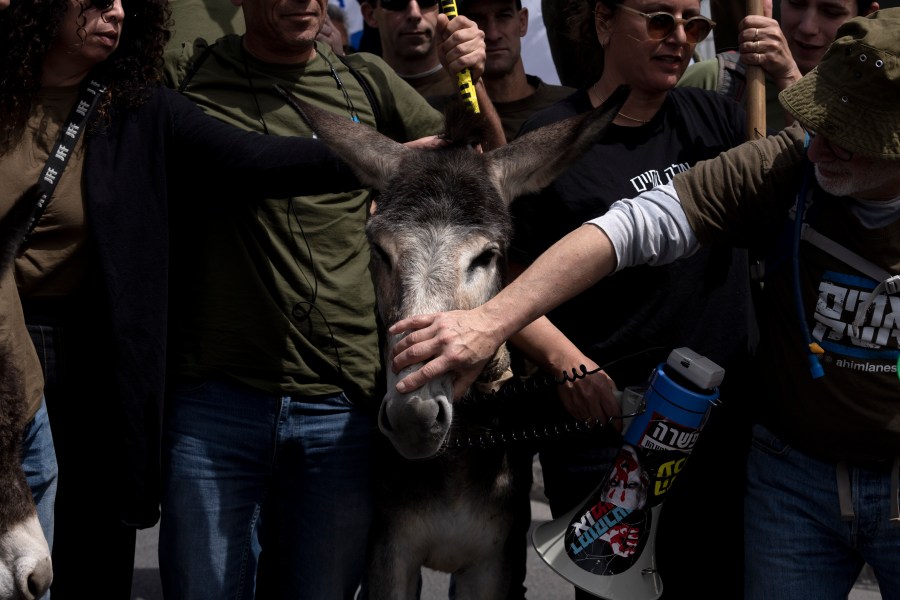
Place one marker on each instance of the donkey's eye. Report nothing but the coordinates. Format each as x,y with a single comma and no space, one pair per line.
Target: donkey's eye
484,259
380,255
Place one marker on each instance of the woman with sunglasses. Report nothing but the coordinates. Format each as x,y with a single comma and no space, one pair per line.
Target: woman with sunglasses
83,109
660,131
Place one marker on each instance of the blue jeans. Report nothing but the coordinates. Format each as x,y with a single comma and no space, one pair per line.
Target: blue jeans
797,546
39,464
253,480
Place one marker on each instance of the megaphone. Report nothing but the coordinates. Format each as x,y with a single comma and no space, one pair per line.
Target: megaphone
606,545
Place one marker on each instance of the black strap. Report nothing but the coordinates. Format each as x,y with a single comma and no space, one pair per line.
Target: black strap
195,67
65,145
370,95
363,82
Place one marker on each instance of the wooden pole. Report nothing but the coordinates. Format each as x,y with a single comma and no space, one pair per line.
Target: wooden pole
756,88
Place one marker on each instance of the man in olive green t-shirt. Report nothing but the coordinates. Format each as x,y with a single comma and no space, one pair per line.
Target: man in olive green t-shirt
274,356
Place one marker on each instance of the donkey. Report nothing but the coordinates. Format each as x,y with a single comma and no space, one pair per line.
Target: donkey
25,569
439,239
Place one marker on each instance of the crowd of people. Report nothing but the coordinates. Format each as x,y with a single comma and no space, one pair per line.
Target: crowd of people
192,319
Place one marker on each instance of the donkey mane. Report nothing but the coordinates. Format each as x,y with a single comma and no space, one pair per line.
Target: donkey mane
462,127
449,186
446,185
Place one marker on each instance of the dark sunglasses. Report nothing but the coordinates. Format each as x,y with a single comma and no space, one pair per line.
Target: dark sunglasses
399,5
102,5
661,24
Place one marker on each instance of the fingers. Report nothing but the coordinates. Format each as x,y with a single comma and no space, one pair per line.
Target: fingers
328,34
462,46
762,44
419,344
436,368
411,324
592,397
415,348
457,342
431,142
420,377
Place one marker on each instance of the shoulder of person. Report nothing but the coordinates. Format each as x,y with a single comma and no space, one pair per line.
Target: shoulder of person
725,74
697,99
703,75
705,110
550,90
372,65
376,74
181,62
568,106
403,112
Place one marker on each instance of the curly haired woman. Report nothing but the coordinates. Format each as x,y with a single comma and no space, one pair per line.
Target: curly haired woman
93,275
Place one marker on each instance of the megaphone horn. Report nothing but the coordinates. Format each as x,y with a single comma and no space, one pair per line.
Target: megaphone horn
606,545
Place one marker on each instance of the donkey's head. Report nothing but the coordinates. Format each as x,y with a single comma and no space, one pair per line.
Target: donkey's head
440,234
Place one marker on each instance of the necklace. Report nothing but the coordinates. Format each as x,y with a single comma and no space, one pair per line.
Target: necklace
351,110
624,116
259,111
642,121
431,71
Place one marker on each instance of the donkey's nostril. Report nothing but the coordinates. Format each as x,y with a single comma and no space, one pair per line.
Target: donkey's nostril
384,423
39,580
414,414
444,414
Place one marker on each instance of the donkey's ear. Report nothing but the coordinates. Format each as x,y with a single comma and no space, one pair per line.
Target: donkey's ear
530,162
373,157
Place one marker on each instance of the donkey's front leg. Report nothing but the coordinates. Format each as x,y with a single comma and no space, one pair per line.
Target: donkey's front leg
486,579
390,574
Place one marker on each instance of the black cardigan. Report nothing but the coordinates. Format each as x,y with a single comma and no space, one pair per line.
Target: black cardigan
131,176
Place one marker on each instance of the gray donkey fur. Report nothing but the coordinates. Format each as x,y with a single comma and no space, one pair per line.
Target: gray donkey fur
439,239
25,569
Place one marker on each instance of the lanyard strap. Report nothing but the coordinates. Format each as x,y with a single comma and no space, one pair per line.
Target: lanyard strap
65,145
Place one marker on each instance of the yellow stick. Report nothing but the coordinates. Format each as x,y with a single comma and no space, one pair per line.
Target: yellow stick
464,77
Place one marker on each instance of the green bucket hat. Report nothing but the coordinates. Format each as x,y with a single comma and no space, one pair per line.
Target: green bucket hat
853,96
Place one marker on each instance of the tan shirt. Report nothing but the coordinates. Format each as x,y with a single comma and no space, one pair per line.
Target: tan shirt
53,263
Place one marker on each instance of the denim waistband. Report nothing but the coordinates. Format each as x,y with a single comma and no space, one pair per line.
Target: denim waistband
845,498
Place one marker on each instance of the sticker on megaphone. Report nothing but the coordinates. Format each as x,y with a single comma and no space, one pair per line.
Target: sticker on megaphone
613,530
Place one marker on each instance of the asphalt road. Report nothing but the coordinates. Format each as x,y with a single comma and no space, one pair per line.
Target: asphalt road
541,581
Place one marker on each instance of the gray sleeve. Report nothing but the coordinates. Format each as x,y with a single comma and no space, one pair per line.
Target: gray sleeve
650,229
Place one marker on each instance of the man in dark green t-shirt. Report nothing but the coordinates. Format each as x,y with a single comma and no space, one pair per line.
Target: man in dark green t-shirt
515,95
274,360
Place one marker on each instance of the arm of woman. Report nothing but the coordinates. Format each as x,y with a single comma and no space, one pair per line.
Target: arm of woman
590,397
255,164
